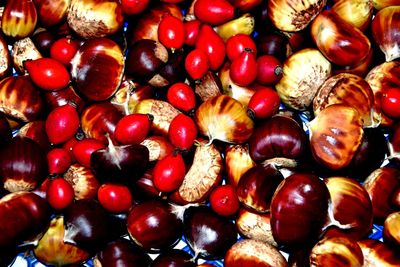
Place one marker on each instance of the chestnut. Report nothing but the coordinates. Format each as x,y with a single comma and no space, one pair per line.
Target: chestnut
391,229
83,180
173,258
377,253
153,226
237,161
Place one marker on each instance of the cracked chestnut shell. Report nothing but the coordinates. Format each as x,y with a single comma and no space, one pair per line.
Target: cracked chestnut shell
93,82
291,15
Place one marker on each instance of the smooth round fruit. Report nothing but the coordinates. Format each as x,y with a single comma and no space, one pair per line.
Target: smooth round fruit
182,131
224,200
115,198
63,50
264,103
269,70
171,32
182,97
169,172
391,103
61,124
196,64
243,70
58,160
60,193
236,44
134,7
132,128
83,149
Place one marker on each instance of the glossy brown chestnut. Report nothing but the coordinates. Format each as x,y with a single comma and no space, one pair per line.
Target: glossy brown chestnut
64,96
21,25
29,210
278,137
377,253
208,234
23,164
51,13
19,99
5,130
173,258
257,186
153,226
121,252
299,209
249,252
94,83
237,162
36,131
391,229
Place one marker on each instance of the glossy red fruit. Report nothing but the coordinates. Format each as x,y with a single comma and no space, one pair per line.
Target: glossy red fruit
48,73
83,149
134,7
61,124
197,64
264,103
182,97
60,193
169,172
269,70
116,198
192,28
224,200
132,128
213,12
64,50
182,131
391,103
236,44
243,70
171,32
213,45
58,160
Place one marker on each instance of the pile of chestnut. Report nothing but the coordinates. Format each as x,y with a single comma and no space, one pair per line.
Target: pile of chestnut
258,133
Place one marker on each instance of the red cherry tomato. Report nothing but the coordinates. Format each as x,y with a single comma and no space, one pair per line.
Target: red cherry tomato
224,200
171,32
61,124
264,103
213,45
169,172
243,70
132,128
214,12
84,148
48,74
64,50
182,131
182,97
58,160
196,64
134,7
115,198
192,28
236,44
391,103
269,70
60,193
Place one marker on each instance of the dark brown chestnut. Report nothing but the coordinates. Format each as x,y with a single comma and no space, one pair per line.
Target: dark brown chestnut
5,130
173,258
36,130
93,82
274,44
209,235
23,164
257,186
278,137
62,97
153,226
121,252
299,210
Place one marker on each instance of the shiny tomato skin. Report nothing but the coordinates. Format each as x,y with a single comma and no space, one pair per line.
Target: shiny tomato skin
171,32
182,97
115,198
224,200
197,64
58,160
264,103
83,149
236,44
60,193
134,7
182,132
391,103
64,50
169,172
132,128
62,123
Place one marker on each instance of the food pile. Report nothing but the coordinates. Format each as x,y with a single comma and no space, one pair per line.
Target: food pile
260,133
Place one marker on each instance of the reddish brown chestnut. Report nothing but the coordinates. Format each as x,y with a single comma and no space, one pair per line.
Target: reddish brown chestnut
391,229
377,253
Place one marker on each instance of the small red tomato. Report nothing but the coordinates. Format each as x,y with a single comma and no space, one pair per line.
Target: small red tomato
60,193
182,97
236,44
196,64
58,160
64,50
391,103
84,148
243,70
224,200
132,128
48,73
264,103
213,45
269,70
171,32
192,28
134,7
115,198
169,172
214,12
61,124
182,131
